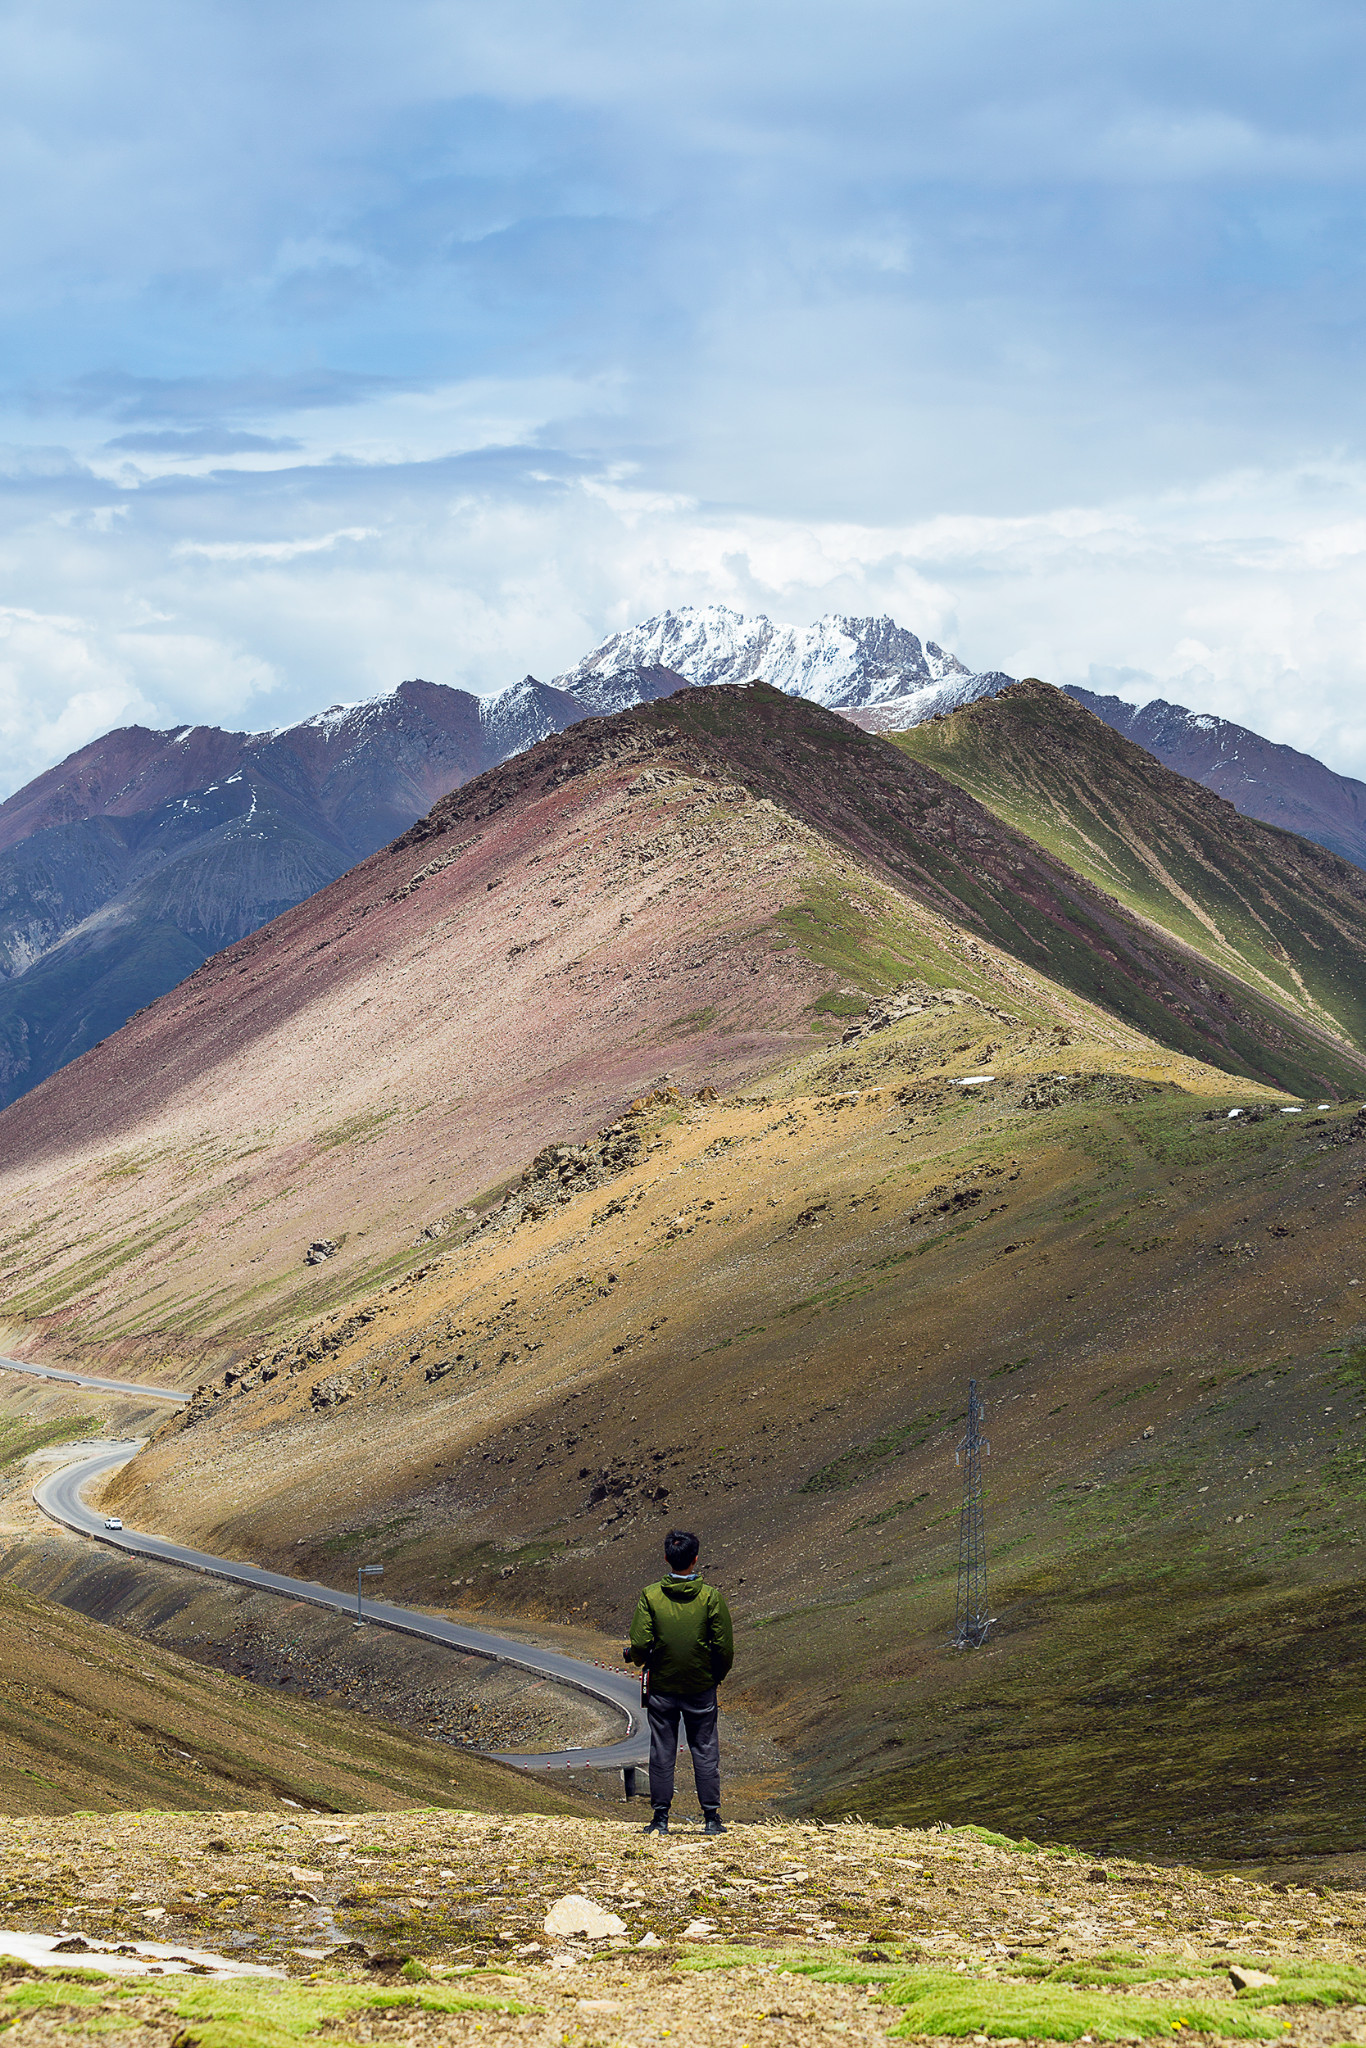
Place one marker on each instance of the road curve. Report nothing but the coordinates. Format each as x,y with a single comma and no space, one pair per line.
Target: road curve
81,1379
59,1496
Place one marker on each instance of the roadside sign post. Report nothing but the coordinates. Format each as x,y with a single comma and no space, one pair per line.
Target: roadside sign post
973,1617
365,1571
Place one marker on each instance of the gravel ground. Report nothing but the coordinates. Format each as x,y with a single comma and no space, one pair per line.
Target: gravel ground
720,1936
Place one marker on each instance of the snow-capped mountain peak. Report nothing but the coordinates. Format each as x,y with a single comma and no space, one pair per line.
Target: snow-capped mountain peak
839,661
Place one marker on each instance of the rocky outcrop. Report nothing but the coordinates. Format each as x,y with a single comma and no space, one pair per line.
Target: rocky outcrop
558,1172
910,1000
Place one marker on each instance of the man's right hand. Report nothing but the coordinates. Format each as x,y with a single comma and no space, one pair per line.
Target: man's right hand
626,1652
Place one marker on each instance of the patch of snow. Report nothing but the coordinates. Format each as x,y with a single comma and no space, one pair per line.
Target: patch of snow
897,714
149,1956
523,714
335,714
332,720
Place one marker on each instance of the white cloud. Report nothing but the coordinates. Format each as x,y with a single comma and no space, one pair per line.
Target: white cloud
59,688
271,550
440,339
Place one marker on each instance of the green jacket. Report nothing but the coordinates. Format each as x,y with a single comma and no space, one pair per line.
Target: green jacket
682,1632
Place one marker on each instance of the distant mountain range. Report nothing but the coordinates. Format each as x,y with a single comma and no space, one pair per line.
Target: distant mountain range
128,865
125,867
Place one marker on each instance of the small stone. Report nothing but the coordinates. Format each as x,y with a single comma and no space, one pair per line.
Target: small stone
650,1940
699,1930
1249,1980
575,1914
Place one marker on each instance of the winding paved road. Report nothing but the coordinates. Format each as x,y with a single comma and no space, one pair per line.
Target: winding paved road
60,1497
80,1379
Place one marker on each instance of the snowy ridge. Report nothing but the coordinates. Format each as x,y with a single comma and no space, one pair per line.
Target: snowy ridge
895,714
839,661
522,714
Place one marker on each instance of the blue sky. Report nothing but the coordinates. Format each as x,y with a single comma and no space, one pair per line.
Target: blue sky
344,343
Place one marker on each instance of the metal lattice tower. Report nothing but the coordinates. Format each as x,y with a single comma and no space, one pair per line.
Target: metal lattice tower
973,1617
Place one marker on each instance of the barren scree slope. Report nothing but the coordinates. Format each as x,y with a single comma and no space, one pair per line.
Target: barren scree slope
431,1928
692,886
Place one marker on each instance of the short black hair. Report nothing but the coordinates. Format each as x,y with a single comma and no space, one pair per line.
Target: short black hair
681,1548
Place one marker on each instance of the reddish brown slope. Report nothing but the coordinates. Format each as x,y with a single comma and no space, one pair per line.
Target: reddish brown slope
132,769
619,900
406,1038
951,853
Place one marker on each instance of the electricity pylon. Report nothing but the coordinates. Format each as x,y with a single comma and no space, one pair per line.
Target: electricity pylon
973,1617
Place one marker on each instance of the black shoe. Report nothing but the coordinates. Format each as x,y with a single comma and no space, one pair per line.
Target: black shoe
714,1825
659,1821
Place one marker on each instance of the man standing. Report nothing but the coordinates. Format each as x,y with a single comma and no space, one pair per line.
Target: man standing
682,1635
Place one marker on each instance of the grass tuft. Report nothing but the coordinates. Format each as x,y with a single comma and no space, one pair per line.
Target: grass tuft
243,2012
935,2003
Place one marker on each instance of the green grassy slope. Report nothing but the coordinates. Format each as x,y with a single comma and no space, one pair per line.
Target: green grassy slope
1284,915
90,1721
764,1329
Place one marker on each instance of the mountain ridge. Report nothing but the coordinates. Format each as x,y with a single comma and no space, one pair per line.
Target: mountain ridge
128,865
696,885
1261,778
1280,912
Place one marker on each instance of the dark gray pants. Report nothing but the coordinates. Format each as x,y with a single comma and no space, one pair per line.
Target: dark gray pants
698,1713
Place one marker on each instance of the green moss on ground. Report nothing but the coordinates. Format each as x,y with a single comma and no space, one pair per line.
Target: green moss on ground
19,1440
241,2012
